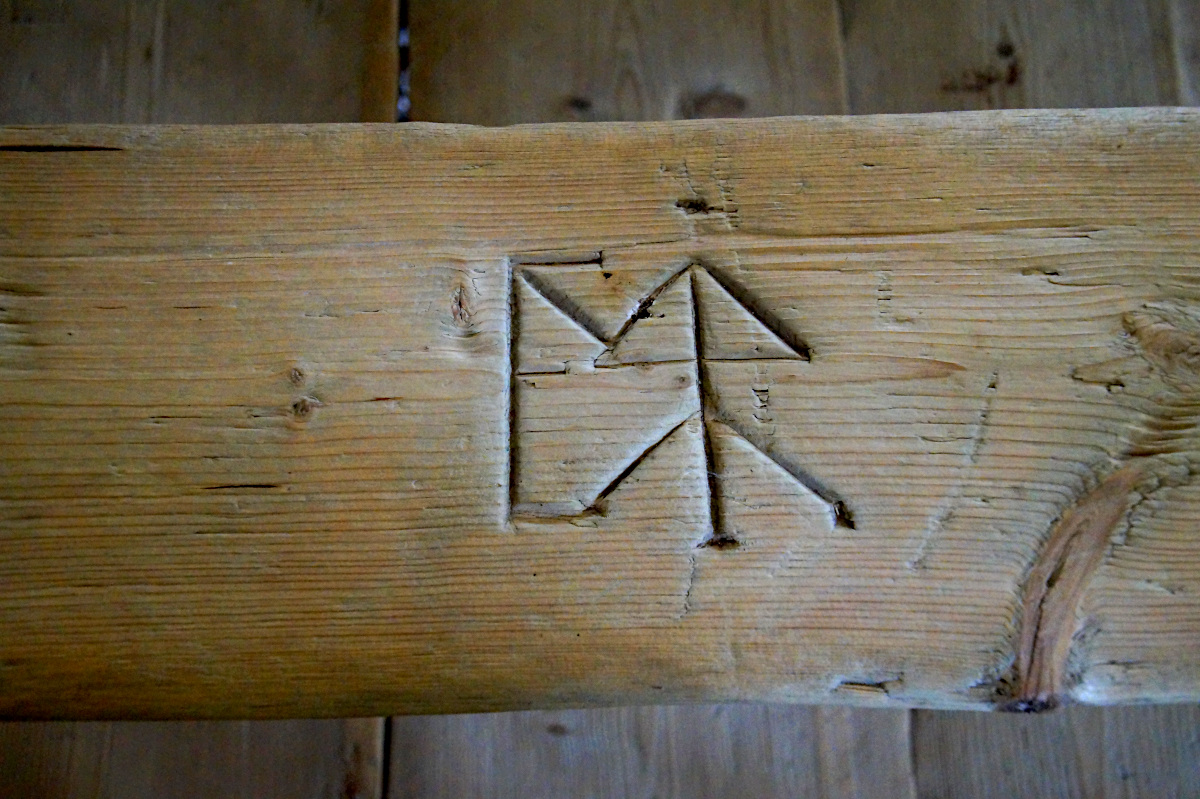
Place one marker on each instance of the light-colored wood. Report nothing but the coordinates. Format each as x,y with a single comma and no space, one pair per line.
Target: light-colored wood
1097,753
334,759
74,61
916,58
262,406
180,61
951,55
721,751
945,55
499,63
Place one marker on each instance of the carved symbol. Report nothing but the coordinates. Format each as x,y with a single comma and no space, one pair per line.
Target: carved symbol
597,356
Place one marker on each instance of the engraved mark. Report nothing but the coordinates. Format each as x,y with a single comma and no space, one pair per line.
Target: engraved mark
710,467
628,470
563,303
763,316
565,463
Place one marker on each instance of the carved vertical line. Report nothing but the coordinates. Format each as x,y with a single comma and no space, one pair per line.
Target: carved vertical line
512,330
710,470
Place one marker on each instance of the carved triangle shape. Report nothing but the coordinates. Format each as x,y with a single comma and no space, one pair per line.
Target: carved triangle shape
600,300
729,330
546,338
666,482
576,434
757,494
664,331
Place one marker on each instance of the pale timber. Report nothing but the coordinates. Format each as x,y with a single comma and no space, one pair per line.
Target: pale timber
353,420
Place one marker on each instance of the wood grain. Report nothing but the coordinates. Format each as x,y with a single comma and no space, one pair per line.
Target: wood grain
118,61
1100,753
381,62
177,61
334,759
715,751
501,63
954,55
1185,22
258,417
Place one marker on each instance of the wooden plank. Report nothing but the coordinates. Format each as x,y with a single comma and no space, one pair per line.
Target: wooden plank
76,62
553,62
272,444
953,55
489,62
335,759
116,61
178,61
381,62
1082,752
1185,20
717,751
981,65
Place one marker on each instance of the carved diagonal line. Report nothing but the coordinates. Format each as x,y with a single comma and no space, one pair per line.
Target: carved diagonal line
643,307
595,507
762,315
710,464
842,517
565,305
584,321
709,412
633,464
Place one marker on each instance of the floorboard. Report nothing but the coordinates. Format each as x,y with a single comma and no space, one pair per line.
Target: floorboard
181,61
492,62
1085,752
335,759
666,752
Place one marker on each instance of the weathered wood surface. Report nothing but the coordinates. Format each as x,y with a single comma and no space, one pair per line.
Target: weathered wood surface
181,61
539,61
259,387
1185,18
322,759
897,57
1082,752
698,751
952,55
487,62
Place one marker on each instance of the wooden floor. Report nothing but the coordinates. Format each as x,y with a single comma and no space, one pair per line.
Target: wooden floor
175,61
488,62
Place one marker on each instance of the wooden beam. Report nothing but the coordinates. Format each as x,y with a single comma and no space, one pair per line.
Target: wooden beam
353,420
